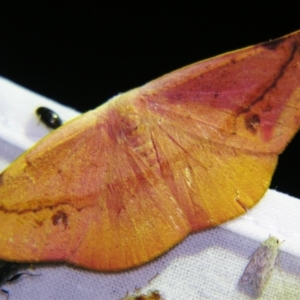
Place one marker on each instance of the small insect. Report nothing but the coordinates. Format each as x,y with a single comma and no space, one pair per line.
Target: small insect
259,268
49,117
152,295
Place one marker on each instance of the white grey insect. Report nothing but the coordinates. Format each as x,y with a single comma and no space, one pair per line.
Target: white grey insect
259,268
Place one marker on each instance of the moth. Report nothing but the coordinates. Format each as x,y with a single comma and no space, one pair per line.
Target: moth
122,184
259,267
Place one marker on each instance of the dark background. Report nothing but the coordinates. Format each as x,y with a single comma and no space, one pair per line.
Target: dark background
83,54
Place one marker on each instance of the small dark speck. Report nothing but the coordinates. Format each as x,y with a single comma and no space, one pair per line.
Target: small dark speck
60,217
267,108
178,96
39,223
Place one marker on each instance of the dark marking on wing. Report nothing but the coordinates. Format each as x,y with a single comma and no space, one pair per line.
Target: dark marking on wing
60,217
252,122
273,84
